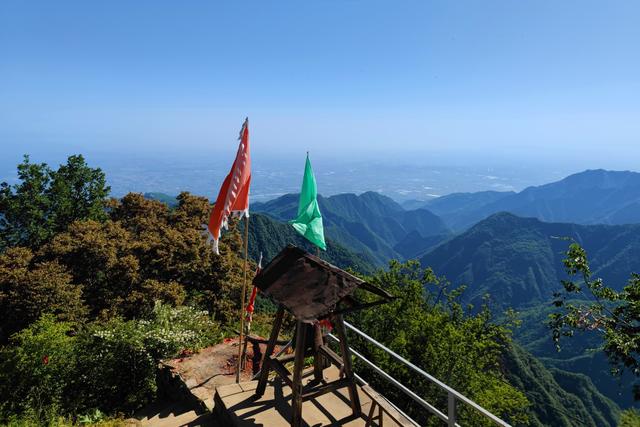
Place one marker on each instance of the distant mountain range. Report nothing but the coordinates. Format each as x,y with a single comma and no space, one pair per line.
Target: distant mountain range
589,197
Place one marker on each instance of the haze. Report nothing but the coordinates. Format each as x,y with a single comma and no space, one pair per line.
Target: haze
553,86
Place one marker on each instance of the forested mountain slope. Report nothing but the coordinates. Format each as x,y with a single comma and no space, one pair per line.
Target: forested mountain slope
558,398
268,236
518,261
369,223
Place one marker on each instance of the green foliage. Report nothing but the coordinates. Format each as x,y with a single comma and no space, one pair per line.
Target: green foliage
38,370
426,325
630,418
77,192
174,329
116,372
581,354
616,314
52,369
145,252
119,357
269,236
558,398
519,261
46,201
29,289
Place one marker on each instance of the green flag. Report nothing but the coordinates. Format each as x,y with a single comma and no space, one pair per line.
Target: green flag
309,220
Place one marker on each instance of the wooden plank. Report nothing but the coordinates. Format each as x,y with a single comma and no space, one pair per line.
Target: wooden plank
264,372
318,360
325,388
282,372
285,358
381,401
331,355
346,360
296,401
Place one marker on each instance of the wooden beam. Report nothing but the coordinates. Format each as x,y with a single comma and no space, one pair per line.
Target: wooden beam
332,356
296,401
282,371
346,360
264,372
326,388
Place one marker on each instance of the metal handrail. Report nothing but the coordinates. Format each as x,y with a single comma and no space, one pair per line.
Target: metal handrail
452,395
363,382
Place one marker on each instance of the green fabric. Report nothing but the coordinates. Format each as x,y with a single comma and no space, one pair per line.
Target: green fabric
309,220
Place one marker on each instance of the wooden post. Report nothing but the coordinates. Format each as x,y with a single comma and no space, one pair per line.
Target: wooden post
346,360
298,366
264,370
242,300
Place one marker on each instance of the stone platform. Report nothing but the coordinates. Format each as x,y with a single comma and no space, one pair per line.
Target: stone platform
236,405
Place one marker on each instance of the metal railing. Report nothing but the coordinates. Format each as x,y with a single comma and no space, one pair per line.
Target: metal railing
453,396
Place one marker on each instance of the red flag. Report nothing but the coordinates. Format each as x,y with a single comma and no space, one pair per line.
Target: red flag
254,293
234,193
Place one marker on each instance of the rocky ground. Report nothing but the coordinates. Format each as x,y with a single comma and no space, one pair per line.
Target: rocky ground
187,384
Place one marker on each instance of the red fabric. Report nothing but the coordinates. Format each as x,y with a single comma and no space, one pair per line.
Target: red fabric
234,193
326,323
254,292
252,300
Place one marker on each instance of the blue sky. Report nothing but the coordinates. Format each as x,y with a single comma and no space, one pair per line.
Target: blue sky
486,81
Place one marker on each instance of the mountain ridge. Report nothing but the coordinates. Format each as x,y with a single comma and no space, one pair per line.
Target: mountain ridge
369,223
594,196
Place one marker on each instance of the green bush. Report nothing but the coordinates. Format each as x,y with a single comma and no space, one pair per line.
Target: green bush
174,329
630,418
115,371
50,370
118,358
36,372
426,325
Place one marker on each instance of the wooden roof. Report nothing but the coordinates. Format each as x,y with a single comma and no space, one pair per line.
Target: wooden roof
311,288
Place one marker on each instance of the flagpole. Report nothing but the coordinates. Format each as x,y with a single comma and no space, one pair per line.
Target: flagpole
242,302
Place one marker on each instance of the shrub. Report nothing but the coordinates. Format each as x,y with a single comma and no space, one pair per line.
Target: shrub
173,329
36,371
29,289
49,370
118,358
115,370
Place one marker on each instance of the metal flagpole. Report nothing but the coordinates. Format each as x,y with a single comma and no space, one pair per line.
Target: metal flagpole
242,302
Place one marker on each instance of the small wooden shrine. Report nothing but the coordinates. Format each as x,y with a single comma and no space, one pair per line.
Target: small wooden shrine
312,290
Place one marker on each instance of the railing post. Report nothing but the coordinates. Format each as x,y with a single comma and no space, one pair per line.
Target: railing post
451,414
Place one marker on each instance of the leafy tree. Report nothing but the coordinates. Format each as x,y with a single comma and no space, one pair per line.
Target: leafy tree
77,192
427,326
24,207
29,289
46,202
630,418
146,252
616,314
